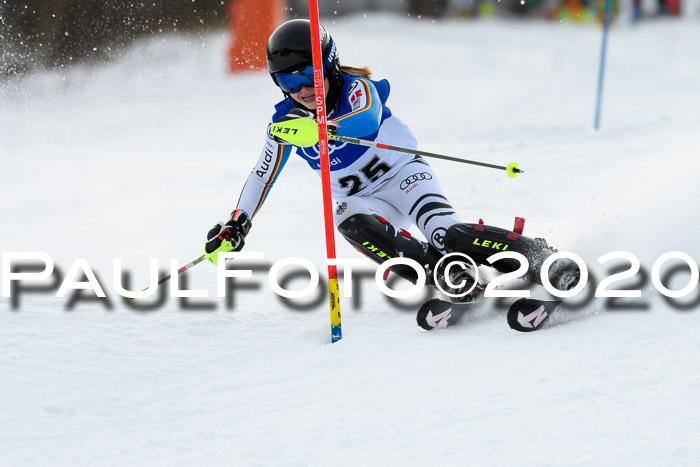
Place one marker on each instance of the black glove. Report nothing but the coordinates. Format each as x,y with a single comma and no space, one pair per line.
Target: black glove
227,237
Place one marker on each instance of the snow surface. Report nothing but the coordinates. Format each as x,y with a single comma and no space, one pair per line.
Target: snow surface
136,159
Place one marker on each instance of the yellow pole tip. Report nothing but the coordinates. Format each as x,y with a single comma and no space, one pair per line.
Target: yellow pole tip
513,170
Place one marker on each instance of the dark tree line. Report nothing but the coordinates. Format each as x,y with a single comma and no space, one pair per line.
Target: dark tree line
50,33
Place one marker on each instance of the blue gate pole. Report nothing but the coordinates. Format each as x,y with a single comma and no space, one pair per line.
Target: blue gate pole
601,73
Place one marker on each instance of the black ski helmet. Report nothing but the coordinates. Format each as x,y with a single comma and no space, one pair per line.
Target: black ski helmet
289,49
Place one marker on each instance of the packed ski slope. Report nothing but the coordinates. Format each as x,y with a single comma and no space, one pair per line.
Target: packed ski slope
136,159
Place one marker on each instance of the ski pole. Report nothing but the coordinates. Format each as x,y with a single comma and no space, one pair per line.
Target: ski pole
187,266
303,132
512,168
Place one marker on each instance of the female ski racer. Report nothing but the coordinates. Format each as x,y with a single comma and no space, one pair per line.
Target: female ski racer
379,193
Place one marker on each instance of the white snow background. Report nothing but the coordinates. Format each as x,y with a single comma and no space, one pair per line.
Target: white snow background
138,158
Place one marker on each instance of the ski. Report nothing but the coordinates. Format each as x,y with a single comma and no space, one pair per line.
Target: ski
530,314
438,313
524,315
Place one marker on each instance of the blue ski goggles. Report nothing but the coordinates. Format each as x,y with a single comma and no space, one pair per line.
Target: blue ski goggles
292,82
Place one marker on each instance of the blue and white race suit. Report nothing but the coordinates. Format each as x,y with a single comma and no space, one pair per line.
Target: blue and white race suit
399,187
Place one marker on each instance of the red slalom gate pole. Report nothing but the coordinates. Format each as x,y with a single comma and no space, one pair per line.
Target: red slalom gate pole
333,291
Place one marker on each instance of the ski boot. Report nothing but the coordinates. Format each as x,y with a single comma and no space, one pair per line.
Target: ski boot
462,279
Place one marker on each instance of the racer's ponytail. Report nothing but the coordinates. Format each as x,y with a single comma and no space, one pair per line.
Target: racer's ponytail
364,71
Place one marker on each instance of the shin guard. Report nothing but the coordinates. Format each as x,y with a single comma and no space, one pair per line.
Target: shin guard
377,239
